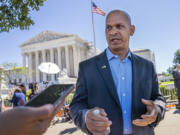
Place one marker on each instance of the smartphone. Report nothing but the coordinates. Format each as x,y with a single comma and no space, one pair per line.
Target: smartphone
54,94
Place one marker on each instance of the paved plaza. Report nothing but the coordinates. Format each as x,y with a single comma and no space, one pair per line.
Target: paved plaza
169,126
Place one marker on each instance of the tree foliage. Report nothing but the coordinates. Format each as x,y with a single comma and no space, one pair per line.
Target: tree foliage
170,70
16,13
8,69
176,60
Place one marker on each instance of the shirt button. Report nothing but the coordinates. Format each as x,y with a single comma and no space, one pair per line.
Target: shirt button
124,94
123,78
125,112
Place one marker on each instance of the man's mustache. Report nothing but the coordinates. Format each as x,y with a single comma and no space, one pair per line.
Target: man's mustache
115,37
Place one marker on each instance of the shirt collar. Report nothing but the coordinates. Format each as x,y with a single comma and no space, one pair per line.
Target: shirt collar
110,55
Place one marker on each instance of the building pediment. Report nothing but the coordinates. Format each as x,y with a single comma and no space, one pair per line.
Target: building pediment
45,36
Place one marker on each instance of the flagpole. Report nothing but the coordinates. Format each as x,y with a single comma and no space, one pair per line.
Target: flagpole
94,36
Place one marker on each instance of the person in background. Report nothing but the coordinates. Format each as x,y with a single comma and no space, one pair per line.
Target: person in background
34,90
176,75
18,98
33,93
22,88
31,86
36,87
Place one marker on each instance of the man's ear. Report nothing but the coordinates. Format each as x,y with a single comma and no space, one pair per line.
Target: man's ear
132,30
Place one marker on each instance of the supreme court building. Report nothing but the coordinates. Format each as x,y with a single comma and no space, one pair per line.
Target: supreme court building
65,50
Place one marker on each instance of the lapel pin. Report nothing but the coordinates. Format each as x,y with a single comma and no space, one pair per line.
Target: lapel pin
103,67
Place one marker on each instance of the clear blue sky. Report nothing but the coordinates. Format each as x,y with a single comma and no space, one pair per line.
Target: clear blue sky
157,26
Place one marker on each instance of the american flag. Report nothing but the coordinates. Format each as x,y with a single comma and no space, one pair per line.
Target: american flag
97,10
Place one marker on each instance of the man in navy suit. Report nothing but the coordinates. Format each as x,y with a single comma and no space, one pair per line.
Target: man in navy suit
118,84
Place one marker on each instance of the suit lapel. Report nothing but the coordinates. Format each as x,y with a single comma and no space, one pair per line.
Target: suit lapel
135,81
104,69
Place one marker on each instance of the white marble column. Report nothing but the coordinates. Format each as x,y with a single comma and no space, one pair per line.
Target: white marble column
24,60
24,66
79,57
30,66
79,54
82,56
67,60
44,60
59,57
52,60
75,59
37,64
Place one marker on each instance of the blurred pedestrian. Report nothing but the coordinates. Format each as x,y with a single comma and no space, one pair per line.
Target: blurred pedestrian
22,88
176,75
18,99
34,90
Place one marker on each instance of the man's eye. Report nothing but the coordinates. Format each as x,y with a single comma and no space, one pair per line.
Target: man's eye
108,27
118,26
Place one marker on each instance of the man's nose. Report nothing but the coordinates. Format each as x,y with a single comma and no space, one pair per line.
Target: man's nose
113,31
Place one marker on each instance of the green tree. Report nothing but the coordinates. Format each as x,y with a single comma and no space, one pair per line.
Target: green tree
9,69
176,59
16,13
164,73
170,70
24,71
1,71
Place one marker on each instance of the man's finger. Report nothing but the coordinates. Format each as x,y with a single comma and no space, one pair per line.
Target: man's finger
100,124
96,117
99,118
147,102
148,116
103,124
102,112
141,122
96,126
40,113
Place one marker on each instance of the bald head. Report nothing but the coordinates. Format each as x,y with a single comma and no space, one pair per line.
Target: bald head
125,14
118,32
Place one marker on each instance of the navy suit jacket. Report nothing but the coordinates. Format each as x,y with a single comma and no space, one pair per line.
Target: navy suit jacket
95,88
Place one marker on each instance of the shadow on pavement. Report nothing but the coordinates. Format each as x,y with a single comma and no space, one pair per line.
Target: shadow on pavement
68,131
70,121
177,111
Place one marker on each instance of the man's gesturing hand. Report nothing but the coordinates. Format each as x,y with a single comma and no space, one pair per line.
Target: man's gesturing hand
97,123
150,116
